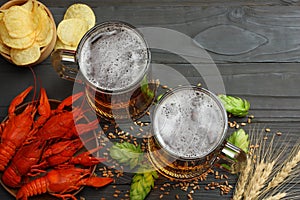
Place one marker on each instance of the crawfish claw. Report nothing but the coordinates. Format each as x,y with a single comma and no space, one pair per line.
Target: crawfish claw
64,196
86,160
18,100
96,181
44,108
68,101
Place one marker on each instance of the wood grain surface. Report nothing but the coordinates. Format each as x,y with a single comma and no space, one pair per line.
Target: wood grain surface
255,45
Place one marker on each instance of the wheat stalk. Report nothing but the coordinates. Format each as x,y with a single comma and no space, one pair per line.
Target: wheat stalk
276,197
243,179
263,162
263,177
285,171
260,178
255,178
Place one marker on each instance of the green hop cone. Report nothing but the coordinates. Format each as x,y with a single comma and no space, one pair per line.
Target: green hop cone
240,139
141,185
126,154
236,106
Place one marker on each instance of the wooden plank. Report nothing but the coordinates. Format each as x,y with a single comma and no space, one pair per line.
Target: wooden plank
176,2
270,88
236,34
229,33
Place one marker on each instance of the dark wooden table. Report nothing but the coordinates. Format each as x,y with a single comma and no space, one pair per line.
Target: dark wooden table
255,45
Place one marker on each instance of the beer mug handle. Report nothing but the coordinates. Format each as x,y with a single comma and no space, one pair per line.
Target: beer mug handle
59,57
231,158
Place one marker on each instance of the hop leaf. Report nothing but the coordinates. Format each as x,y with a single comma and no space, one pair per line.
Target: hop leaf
127,154
141,184
235,105
240,139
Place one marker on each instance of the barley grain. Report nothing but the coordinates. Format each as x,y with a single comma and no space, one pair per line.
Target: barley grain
279,133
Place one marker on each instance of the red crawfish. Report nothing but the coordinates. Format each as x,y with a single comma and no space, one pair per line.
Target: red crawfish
27,156
60,182
19,127
63,152
61,124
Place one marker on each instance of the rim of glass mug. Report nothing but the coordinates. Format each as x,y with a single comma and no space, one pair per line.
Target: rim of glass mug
70,73
208,93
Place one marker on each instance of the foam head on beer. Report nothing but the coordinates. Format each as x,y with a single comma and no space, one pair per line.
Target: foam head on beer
189,123
115,57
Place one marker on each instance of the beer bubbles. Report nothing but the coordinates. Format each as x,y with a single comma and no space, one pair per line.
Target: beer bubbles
188,124
114,58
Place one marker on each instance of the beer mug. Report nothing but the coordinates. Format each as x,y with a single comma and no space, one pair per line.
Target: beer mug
189,126
113,62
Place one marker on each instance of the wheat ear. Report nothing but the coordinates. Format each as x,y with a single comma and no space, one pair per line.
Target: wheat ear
243,179
255,178
285,171
260,176
276,196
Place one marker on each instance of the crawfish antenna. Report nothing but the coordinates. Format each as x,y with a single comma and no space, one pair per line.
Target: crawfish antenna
35,83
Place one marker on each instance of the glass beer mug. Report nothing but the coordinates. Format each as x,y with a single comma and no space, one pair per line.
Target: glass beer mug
113,62
189,127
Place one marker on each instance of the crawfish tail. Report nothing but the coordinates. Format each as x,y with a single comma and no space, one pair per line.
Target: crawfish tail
7,150
11,178
35,187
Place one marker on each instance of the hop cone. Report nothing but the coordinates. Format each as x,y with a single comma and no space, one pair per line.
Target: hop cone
127,154
235,105
240,139
141,185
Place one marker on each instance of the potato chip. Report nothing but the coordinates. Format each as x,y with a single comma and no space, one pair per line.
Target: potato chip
28,5
45,29
44,38
18,21
81,11
70,31
60,45
3,48
26,56
36,17
17,43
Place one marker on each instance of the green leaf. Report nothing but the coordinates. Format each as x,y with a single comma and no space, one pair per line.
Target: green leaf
141,184
240,139
127,154
236,106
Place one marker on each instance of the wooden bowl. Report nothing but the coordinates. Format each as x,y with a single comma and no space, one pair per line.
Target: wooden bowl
46,50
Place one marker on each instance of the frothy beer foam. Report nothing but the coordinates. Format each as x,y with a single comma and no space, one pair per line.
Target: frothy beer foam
114,57
189,123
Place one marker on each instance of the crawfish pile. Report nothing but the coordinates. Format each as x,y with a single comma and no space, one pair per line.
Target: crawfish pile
41,141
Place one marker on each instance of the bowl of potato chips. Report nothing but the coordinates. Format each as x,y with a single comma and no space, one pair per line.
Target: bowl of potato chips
27,32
